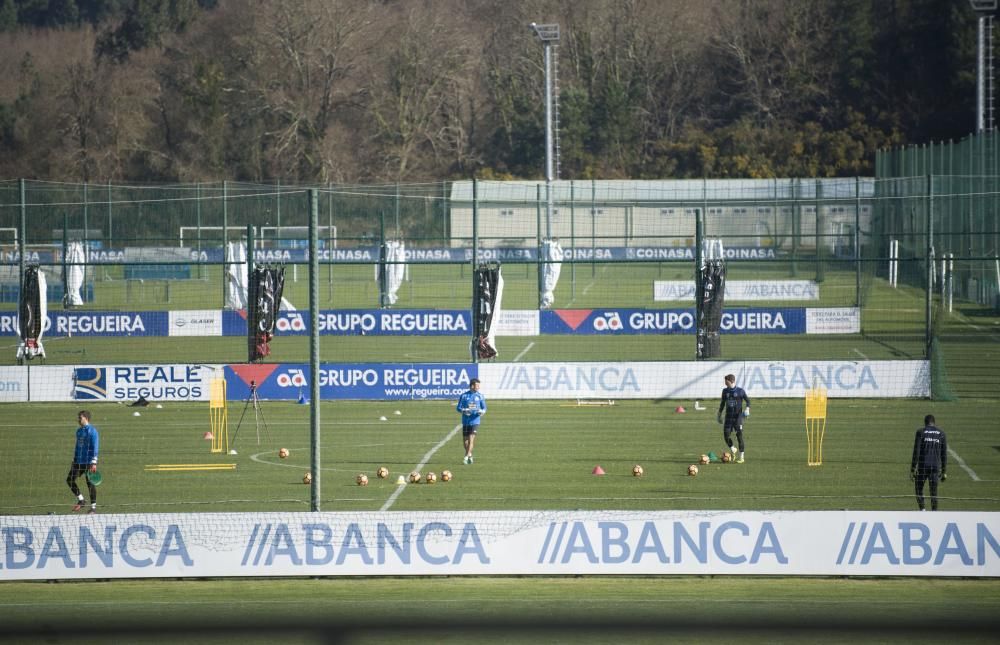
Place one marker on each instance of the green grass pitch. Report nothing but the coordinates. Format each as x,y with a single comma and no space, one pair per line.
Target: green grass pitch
530,455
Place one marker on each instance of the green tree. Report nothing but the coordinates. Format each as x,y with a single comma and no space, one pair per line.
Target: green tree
8,15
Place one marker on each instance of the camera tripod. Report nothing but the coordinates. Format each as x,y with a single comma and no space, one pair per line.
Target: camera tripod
258,415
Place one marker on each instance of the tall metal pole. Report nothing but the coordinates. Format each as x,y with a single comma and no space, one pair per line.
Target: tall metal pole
548,140
21,234
314,397
984,70
981,73
474,348
549,35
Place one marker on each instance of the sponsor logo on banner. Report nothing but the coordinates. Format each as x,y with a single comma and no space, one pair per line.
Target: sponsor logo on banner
94,323
833,320
196,322
517,322
679,380
154,382
376,322
13,384
740,290
669,321
840,543
339,381
290,322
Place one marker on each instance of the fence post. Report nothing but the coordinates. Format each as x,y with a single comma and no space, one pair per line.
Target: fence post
20,237
820,233
473,347
65,246
698,260
929,252
225,236
314,394
572,238
538,241
857,242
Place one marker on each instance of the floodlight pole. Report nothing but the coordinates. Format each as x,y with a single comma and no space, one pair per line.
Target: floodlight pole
548,34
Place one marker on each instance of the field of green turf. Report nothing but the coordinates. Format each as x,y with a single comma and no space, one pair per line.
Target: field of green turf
530,455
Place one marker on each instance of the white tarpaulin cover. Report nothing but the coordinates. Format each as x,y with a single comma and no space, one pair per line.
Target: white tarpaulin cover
236,278
395,270
552,254
75,259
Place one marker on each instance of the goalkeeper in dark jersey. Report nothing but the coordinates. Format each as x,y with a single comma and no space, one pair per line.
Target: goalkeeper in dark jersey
930,461
732,406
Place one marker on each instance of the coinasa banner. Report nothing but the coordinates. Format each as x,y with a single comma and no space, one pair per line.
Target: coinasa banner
703,380
360,381
824,543
94,323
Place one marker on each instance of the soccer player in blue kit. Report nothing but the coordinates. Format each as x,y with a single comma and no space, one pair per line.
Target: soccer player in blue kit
732,404
472,405
84,460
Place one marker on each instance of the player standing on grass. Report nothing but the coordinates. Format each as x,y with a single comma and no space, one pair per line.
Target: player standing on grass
472,405
929,462
84,460
732,404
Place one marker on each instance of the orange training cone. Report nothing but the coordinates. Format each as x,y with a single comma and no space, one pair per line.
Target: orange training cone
598,470
208,436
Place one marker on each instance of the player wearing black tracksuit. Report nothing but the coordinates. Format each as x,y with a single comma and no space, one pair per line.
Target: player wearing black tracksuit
731,404
930,461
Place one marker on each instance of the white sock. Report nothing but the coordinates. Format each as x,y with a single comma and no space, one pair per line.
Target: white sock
80,497
741,454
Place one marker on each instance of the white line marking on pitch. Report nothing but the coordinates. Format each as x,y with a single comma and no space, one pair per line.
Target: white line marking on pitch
963,466
430,453
524,351
859,353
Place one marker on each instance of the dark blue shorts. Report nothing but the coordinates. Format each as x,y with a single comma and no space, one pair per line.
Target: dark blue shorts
469,430
733,423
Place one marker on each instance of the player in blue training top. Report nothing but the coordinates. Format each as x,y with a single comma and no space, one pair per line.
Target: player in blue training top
472,405
930,460
84,460
732,404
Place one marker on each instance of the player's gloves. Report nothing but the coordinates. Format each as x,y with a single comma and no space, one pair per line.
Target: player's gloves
718,418
746,412
944,476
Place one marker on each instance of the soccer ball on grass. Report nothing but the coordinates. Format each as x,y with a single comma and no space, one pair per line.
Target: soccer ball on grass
283,453
692,470
431,478
382,472
726,457
307,478
362,479
446,475
414,477
704,459
637,471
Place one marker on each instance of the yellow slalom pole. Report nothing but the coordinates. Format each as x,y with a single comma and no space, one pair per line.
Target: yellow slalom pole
218,415
815,425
